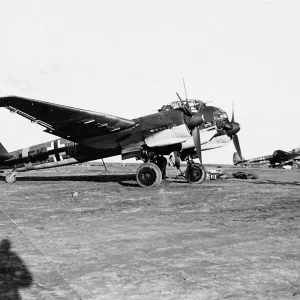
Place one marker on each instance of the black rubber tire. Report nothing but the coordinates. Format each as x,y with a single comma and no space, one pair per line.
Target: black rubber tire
195,173
148,175
10,178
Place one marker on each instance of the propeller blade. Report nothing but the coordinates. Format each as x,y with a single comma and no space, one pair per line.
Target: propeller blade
197,142
232,118
237,146
185,106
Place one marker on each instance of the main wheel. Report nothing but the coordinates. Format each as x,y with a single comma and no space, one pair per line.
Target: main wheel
295,166
10,178
148,175
195,173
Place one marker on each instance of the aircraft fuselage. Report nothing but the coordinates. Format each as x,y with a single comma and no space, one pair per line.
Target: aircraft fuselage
59,152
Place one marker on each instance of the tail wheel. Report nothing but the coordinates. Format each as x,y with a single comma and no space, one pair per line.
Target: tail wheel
148,175
10,178
195,173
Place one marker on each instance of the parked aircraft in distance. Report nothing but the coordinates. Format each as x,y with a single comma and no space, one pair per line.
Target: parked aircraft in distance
278,159
185,127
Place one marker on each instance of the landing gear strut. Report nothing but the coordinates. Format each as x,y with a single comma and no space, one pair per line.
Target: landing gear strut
194,173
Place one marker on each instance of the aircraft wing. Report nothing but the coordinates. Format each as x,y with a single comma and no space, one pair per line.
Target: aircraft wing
64,121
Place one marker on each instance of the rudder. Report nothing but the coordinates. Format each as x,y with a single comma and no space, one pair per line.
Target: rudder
4,154
3,151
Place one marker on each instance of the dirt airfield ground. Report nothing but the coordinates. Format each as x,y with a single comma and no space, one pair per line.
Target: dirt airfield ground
223,239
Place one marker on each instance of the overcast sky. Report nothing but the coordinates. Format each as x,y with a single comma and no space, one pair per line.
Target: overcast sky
128,58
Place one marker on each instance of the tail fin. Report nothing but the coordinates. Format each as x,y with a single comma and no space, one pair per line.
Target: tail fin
3,151
237,159
4,155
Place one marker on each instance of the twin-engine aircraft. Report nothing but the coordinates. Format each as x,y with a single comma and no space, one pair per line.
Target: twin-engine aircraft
278,159
184,127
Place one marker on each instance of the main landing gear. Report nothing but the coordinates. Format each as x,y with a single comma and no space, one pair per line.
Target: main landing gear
10,177
195,173
151,173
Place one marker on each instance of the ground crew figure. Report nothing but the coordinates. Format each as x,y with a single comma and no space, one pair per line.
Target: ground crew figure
13,273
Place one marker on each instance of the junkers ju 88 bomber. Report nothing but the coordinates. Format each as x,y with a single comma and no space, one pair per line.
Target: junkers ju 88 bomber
184,127
279,159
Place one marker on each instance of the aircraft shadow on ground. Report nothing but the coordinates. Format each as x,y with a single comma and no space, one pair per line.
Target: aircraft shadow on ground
126,179
92,178
14,274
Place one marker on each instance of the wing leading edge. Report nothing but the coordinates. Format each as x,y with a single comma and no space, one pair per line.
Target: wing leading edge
65,121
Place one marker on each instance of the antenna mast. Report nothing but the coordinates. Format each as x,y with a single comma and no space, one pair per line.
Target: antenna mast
184,88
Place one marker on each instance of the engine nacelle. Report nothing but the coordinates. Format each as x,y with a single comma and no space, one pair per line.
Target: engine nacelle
174,135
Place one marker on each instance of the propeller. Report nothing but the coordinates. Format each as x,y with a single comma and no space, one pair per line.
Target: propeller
237,146
197,142
193,121
232,128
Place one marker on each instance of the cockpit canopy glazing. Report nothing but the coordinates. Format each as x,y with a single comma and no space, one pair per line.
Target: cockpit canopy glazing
192,103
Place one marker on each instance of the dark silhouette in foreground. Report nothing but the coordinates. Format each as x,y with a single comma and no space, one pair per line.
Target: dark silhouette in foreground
14,274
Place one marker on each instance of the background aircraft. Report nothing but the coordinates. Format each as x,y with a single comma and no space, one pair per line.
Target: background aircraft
278,159
185,127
